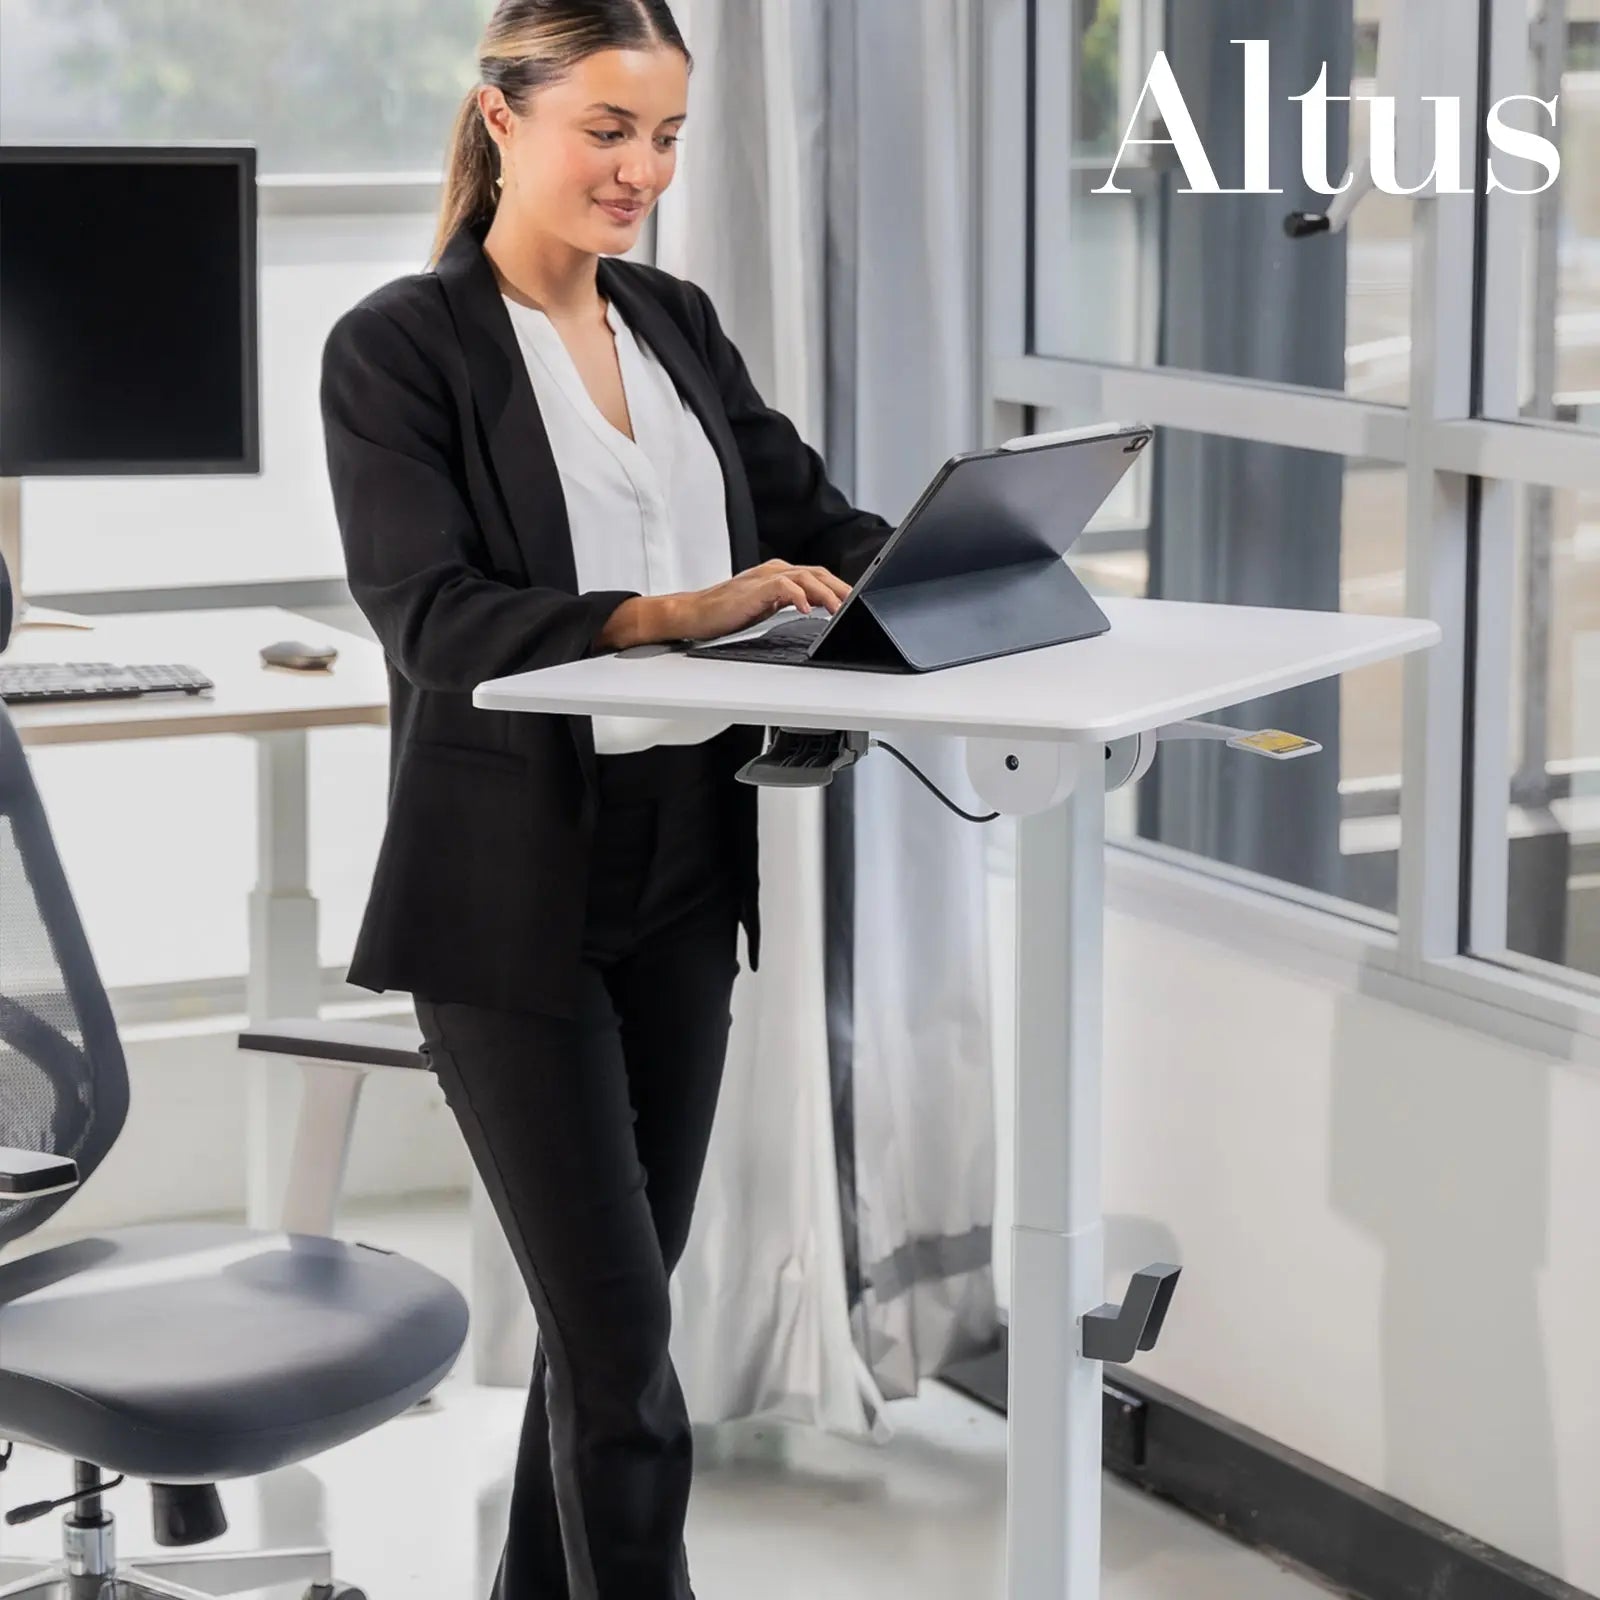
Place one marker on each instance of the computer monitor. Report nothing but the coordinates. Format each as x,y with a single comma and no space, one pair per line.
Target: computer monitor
128,314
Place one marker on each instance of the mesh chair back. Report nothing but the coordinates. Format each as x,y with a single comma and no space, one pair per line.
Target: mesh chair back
63,1079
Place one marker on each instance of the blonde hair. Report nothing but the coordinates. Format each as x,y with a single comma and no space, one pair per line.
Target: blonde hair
526,45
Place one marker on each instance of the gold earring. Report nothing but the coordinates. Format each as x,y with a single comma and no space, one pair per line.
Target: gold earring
500,182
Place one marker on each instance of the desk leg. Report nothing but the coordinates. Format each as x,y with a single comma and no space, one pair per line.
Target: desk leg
1057,1247
285,977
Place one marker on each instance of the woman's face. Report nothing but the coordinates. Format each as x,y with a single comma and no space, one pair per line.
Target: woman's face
595,151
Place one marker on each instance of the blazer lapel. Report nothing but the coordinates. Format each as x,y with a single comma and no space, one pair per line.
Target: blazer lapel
653,323
519,446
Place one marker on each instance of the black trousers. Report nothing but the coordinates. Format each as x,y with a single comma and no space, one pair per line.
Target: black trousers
590,1136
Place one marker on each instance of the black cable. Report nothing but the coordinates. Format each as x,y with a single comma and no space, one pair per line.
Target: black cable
883,744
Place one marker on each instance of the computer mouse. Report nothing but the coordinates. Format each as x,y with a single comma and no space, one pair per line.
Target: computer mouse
301,657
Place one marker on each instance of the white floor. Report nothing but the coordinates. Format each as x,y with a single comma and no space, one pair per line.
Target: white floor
416,1510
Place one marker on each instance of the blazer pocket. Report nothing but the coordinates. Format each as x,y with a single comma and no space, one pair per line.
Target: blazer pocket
469,755
481,876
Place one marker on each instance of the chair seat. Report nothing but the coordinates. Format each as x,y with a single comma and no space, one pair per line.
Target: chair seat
193,1352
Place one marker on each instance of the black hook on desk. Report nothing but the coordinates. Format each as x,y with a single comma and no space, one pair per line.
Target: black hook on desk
804,758
1117,1333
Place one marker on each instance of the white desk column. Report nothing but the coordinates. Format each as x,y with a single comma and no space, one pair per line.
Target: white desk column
1057,1250
285,977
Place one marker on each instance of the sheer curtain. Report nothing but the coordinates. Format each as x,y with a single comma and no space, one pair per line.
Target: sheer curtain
826,201
842,1241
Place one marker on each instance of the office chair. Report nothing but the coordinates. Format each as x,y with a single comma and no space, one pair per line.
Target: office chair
182,1354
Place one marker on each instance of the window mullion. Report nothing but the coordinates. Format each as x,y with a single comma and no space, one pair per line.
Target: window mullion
1432,790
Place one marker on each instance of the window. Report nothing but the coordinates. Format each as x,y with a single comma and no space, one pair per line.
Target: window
1552,833
1328,823
1210,283
1559,324
1311,453
354,86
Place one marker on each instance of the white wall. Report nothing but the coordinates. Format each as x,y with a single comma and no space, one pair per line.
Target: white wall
182,1149
157,838
1388,1226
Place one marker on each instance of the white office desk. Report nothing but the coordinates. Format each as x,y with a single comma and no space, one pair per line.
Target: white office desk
1036,725
274,706
249,697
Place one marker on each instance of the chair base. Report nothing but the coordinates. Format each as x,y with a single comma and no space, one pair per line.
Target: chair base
53,1583
202,1576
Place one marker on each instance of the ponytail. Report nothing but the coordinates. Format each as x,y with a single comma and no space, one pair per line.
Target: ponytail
469,175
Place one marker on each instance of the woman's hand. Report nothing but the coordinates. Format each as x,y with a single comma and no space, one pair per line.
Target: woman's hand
751,595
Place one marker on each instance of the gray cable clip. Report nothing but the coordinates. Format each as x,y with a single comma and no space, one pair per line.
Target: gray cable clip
804,758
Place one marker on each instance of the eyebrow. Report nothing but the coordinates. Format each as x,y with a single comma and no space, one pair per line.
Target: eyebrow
630,116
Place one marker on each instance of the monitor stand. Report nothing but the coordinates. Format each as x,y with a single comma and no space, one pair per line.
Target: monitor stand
24,615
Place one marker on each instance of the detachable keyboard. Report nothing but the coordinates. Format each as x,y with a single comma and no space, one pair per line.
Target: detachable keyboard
25,681
784,642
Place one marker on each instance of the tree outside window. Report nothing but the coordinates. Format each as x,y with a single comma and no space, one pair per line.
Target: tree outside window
317,86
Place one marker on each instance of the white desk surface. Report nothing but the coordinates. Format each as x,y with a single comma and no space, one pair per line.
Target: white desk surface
1161,662
249,697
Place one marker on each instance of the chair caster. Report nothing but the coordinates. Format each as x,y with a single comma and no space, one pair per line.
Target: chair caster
334,1591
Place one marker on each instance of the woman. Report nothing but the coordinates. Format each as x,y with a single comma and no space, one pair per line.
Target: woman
539,453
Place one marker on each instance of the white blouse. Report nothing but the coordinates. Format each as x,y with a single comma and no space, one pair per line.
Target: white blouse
648,515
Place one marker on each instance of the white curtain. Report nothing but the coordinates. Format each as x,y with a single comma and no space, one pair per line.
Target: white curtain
842,1241
921,1066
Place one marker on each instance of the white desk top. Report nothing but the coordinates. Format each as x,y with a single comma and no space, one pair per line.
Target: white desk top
249,697
1161,662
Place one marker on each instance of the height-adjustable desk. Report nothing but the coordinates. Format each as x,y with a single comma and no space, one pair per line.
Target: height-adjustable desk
1044,729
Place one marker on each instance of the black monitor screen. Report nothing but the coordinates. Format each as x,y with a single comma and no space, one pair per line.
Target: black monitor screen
127,311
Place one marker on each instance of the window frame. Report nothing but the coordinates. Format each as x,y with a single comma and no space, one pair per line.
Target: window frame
353,194
1445,953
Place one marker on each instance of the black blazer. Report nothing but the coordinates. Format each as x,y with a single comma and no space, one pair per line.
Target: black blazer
459,553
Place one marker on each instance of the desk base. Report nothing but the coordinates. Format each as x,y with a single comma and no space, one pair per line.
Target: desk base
1058,1251
1053,1411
